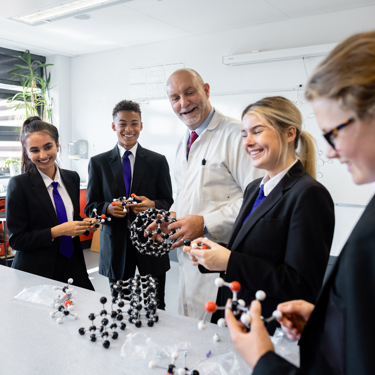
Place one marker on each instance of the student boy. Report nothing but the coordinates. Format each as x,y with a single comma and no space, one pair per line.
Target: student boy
128,168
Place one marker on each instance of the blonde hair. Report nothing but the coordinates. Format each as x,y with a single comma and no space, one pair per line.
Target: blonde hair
281,113
347,75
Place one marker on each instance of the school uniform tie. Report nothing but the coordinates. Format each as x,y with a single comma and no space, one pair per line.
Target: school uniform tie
193,137
66,242
127,172
257,202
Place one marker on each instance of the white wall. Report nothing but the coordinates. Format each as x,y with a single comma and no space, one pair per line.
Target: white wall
99,81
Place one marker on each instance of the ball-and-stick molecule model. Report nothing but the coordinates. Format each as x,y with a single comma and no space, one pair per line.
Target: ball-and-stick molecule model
142,298
100,218
106,329
146,245
172,369
238,307
63,303
124,201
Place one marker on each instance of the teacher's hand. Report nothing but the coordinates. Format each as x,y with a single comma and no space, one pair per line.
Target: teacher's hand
189,227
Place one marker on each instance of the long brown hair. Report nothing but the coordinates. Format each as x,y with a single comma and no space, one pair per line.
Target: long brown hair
33,125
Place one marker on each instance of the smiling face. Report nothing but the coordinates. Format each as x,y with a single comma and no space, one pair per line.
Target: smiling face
262,144
127,125
354,143
188,95
42,151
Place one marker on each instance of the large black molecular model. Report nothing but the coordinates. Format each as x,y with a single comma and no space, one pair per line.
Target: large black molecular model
129,293
146,245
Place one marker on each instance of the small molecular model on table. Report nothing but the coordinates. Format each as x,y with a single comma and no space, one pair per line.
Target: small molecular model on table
128,292
237,306
124,201
63,303
172,369
146,245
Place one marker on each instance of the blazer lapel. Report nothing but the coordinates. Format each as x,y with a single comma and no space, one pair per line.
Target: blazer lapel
40,190
140,166
271,200
116,168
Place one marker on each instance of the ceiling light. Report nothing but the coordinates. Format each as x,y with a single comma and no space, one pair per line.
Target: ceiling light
64,10
256,57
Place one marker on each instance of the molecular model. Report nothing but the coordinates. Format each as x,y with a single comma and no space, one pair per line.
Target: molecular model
172,369
100,218
136,287
237,306
125,201
128,292
102,331
146,245
63,303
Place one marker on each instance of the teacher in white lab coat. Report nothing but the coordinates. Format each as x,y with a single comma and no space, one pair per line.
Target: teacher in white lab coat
211,173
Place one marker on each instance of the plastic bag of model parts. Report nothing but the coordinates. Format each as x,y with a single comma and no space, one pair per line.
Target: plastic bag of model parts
158,354
285,347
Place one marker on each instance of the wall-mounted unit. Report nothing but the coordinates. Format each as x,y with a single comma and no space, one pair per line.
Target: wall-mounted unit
78,150
257,57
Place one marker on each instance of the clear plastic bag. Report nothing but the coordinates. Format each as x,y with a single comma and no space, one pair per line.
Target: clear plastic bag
285,347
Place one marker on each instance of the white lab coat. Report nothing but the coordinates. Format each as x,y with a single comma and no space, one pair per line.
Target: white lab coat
211,183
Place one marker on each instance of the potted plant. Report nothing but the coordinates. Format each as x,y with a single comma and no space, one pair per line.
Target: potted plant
14,166
34,97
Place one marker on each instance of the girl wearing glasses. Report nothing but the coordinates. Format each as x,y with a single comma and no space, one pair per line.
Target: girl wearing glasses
281,239
337,334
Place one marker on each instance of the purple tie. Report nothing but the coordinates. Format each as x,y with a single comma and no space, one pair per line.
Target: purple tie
127,172
66,242
193,137
257,202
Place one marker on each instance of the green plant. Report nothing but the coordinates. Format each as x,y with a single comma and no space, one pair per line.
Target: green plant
6,163
34,98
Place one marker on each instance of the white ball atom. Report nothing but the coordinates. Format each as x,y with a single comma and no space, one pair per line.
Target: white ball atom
51,314
222,323
152,364
109,219
174,355
260,295
181,371
59,321
241,302
194,245
55,288
219,282
216,337
245,319
277,314
202,326
70,281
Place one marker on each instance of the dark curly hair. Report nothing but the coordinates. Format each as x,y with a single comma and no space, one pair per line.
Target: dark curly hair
126,105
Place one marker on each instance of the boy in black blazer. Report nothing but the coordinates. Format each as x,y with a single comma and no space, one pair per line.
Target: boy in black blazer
150,181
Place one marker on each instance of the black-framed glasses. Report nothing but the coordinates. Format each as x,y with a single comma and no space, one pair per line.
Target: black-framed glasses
332,135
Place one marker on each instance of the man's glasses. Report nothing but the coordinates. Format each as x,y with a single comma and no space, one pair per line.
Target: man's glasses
332,135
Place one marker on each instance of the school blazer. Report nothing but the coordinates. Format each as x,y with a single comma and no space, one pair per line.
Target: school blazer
150,179
31,215
283,248
340,332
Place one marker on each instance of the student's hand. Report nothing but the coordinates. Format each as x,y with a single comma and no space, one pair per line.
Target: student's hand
143,206
215,258
250,345
92,223
190,227
295,316
70,228
117,210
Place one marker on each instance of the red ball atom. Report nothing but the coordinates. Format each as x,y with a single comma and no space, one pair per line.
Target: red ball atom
103,216
67,302
210,306
132,195
204,247
113,203
235,286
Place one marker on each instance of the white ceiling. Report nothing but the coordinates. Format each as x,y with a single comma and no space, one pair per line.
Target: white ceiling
147,21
